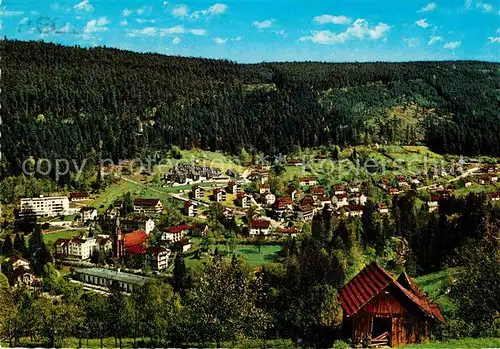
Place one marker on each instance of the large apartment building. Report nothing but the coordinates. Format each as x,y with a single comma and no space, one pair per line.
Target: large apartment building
50,206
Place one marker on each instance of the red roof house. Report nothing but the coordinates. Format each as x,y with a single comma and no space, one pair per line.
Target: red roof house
138,237
379,309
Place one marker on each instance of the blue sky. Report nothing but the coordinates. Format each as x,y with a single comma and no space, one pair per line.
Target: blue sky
255,31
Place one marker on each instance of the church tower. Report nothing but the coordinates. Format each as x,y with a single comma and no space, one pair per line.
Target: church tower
117,239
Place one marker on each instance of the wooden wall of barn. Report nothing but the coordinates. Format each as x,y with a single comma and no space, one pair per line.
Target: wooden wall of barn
408,324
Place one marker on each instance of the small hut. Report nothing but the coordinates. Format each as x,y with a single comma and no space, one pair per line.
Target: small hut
381,310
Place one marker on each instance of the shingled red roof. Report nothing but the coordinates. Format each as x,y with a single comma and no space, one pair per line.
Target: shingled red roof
179,228
136,249
259,223
146,202
372,280
138,237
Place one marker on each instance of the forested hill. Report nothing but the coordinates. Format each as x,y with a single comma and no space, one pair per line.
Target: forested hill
64,101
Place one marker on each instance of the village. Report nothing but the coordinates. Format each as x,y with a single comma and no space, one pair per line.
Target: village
250,203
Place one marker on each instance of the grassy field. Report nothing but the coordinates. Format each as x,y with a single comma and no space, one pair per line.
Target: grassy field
205,158
251,253
248,252
50,238
397,159
477,188
113,192
146,187
436,286
461,343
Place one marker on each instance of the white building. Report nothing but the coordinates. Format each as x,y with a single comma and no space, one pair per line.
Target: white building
340,200
198,193
88,214
175,234
50,206
82,248
158,257
148,206
270,199
258,226
360,199
190,209
138,222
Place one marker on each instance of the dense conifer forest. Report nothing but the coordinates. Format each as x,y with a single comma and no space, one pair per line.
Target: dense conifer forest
71,102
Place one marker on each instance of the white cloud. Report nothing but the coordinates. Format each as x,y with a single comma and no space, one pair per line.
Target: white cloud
324,19
452,45
96,25
412,42
127,12
123,22
148,31
238,38
263,24
217,9
11,13
165,3
214,10
176,40
198,32
143,10
494,39
484,6
64,30
429,7
25,20
423,23
434,39
468,4
220,41
84,6
360,29
142,20
179,29
180,11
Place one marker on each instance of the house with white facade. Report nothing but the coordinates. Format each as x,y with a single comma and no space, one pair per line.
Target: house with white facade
359,199
88,214
264,188
338,189
219,195
198,193
148,206
340,200
269,199
243,200
258,226
190,209
157,257
175,234
304,212
308,181
50,206
138,222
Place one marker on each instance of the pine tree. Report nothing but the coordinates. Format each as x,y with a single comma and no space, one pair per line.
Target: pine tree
38,252
179,279
7,246
336,153
20,244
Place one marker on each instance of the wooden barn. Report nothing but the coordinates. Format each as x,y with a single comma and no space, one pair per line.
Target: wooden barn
381,310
